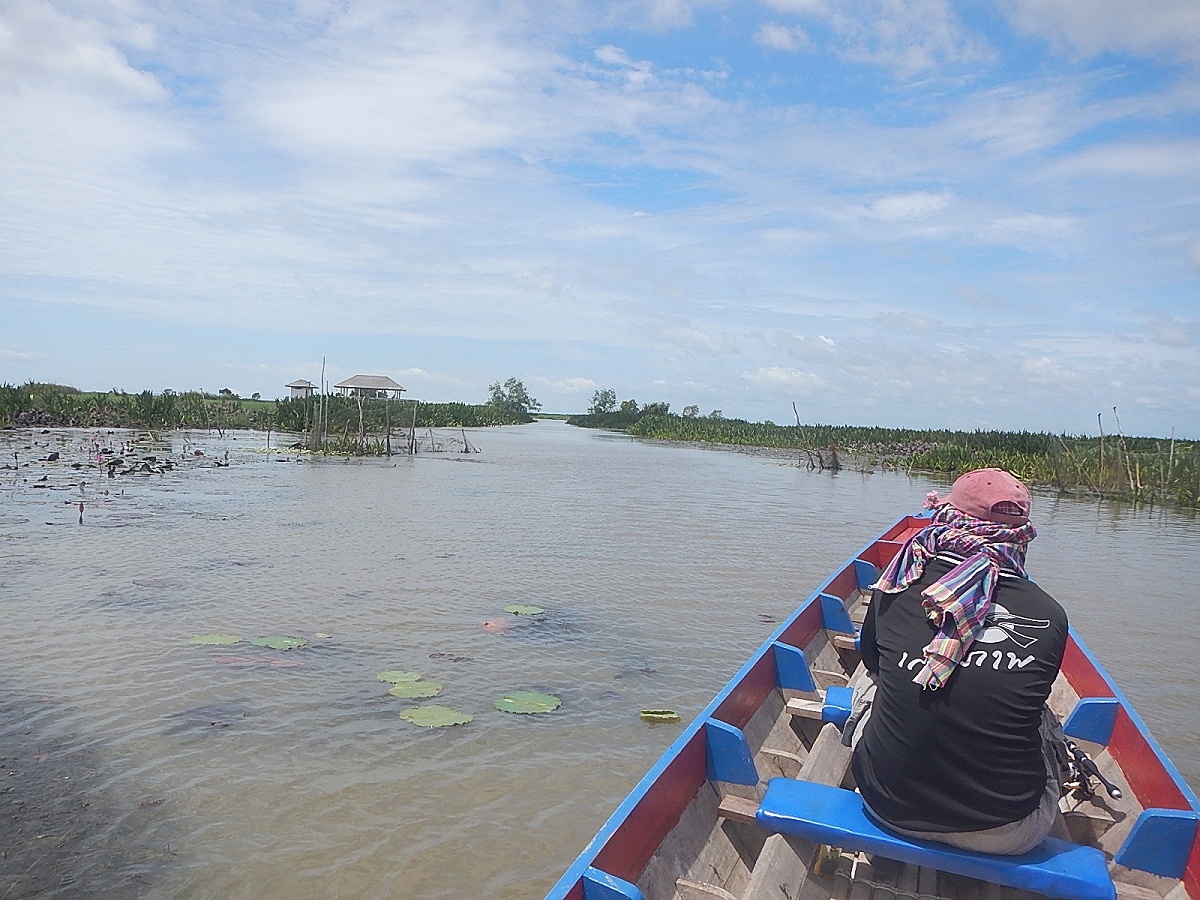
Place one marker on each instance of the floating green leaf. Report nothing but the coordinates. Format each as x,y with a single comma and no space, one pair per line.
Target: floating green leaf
521,609
416,690
393,676
435,716
216,639
661,715
527,702
280,642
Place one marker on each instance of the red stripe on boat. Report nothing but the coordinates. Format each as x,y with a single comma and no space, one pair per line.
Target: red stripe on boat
1191,875
748,694
1152,784
841,585
804,627
634,842
1083,677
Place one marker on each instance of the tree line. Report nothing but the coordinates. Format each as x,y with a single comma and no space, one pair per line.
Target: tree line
45,405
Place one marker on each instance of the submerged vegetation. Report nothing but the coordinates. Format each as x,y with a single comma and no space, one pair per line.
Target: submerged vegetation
1111,465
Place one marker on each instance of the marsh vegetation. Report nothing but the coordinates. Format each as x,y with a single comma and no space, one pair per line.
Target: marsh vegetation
1110,464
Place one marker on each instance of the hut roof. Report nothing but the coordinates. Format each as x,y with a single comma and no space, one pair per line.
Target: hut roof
370,383
301,383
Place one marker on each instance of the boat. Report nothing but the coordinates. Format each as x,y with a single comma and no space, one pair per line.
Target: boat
754,800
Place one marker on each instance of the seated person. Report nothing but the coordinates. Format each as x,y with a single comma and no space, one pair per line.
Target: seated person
958,745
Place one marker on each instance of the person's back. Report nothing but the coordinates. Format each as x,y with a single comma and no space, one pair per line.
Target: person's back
967,756
958,745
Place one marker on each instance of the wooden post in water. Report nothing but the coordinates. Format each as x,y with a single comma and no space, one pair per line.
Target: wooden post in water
412,432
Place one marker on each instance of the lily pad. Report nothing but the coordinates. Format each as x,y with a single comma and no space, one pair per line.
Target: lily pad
416,690
392,676
661,715
527,702
435,716
216,639
522,609
280,642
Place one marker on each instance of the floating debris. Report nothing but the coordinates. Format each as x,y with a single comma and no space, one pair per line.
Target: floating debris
450,657
660,715
522,609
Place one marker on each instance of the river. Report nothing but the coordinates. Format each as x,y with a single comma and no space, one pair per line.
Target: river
137,763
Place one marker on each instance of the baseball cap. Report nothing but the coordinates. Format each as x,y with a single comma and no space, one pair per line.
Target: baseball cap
991,494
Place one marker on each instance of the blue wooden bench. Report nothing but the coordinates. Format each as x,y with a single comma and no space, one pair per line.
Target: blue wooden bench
830,815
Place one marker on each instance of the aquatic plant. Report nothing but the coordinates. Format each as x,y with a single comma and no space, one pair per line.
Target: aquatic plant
527,702
435,716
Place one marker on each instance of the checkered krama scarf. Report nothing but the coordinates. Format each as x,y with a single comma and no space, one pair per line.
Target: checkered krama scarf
958,602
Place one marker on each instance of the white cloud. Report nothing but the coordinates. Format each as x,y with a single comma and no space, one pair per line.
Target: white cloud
1172,332
442,93
20,356
915,205
637,73
41,44
910,322
1143,159
908,37
789,38
784,377
800,7
1027,225
578,385
1092,27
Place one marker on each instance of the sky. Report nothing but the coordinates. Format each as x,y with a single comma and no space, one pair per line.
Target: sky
909,213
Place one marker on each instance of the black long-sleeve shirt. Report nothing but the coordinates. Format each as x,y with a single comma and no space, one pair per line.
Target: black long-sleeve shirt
967,756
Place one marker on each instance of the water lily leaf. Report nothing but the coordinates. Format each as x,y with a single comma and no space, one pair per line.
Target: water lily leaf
280,642
521,609
392,676
416,690
216,639
527,702
435,716
661,715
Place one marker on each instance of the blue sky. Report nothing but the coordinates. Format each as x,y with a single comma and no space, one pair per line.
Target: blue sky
895,212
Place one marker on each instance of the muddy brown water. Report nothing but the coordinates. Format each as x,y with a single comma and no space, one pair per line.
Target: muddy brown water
135,763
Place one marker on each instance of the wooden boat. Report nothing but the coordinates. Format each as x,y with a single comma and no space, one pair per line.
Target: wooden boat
751,802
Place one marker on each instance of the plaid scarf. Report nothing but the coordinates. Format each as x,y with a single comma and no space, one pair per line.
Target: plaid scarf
958,602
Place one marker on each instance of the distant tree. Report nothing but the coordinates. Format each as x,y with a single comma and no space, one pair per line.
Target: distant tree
513,396
691,412
715,414
604,401
656,409
629,407
225,392
256,396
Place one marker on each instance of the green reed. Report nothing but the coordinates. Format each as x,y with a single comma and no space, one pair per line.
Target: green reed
1139,468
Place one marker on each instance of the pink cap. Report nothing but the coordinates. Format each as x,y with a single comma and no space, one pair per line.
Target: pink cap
991,494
